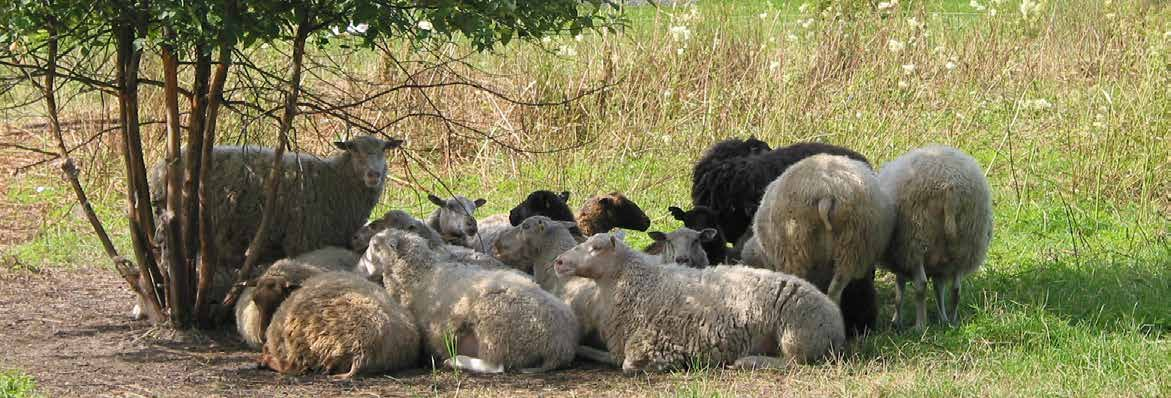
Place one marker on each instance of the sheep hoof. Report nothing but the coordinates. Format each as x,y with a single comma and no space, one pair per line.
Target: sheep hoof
474,365
756,362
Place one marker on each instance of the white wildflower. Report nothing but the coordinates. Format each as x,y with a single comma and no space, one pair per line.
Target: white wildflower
895,46
858,114
1110,15
426,25
40,189
903,84
791,37
546,40
914,22
908,68
567,51
992,12
578,37
763,15
357,29
666,138
773,65
680,33
886,5
950,65
806,23
976,5
667,93
679,51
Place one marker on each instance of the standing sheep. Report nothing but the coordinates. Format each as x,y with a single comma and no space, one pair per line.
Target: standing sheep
827,220
683,246
943,225
455,219
700,218
321,201
262,296
662,317
336,322
481,320
614,210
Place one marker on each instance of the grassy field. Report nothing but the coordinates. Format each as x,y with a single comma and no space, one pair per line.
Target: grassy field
1066,105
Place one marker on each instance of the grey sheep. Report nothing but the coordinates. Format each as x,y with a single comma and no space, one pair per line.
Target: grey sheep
400,220
662,317
943,225
535,243
339,322
683,246
455,219
826,220
262,296
477,319
321,201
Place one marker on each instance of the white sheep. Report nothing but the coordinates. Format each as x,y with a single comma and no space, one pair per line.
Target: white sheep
826,220
455,219
339,322
659,317
683,246
400,220
262,296
477,319
534,244
943,225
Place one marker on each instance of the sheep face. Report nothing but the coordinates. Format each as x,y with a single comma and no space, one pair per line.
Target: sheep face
684,246
395,248
368,158
269,293
542,203
456,218
596,258
623,212
525,241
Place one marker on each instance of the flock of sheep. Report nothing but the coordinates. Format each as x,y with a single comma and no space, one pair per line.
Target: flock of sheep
775,264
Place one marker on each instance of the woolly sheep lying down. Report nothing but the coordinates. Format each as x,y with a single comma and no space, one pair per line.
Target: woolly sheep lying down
339,322
480,320
400,220
537,203
662,317
535,243
262,297
455,219
943,225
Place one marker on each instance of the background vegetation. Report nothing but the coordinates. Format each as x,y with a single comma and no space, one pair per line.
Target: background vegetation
1067,104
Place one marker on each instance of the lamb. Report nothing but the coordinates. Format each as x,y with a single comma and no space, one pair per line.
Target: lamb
699,218
943,225
262,296
534,244
683,246
730,178
827,220
321,201
614,210
338,321
491,320
455,219
400,220
661,317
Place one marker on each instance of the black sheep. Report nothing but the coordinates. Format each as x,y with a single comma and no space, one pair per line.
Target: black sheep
542,203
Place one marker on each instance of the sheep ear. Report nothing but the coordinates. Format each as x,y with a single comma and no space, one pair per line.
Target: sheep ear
657,236
480,202
343,145
707,234
436,200
606,201
613,242
564,196
676,212
391,144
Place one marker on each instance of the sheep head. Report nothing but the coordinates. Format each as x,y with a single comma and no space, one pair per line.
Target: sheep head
456,218
599,257
542,203
684,246
367,156
525,242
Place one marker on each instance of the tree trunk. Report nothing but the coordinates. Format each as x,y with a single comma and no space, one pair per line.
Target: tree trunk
272,184
124,267
179,286
138,211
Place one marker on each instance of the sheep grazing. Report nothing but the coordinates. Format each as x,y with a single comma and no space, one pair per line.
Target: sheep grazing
827,220
262,296
731,176
663,317
321,201
614,210
455,219
480,320
534,244
700,218
943,225
400,220
683,246
339,322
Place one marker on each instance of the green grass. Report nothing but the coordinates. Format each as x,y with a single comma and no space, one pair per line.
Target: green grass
1072,299
14,384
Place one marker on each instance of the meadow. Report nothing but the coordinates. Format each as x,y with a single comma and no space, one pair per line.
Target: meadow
1065,103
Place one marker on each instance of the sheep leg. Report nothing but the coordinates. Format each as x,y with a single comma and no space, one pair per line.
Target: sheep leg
836,285
954,304
356,366
940,285
920,297
900,285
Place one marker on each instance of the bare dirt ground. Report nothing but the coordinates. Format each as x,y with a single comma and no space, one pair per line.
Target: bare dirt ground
69,330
